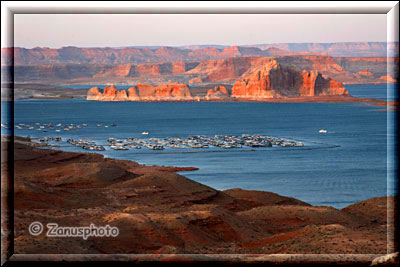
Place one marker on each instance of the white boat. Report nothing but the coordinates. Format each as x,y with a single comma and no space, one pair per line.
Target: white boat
145,133
323,131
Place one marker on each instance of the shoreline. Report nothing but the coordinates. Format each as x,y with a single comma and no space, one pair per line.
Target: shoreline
314,99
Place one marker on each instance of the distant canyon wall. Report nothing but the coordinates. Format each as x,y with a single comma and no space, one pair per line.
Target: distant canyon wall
106,55
123,55
345,70
340,49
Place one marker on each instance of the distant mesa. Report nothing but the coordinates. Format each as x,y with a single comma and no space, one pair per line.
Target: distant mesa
142,92
273,80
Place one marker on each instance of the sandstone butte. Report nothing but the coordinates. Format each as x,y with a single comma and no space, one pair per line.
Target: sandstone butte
273,80
388,79
219,92
142,92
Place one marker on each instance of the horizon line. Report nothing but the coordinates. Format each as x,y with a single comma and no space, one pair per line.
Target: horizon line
181,46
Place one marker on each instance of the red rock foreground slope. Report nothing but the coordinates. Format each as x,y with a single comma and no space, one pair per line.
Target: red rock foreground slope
159,211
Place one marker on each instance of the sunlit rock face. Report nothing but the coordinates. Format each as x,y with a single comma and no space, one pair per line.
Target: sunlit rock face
121,96
145,92
219,92
173,92
273,80
133,94
94,94
388,79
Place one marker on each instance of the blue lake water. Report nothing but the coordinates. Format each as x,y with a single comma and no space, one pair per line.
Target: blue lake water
354,171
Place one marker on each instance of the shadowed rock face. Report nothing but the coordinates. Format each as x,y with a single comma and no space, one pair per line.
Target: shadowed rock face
109,93
121,96
219,92
273,80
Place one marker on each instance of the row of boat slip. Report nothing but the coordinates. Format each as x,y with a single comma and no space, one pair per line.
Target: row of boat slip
202,141
86,144
57,127
193,141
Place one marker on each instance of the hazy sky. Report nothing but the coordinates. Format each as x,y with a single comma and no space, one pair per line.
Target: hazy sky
57,30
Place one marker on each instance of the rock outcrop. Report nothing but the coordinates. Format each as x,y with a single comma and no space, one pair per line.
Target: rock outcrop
144,92
109,93
219,92
94,94
121,96
273,80
388,78
133,94
173,92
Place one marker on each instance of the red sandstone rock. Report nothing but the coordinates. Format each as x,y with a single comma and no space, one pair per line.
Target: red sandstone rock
145,90
308,86
109,93
94,94
330,87
273,80
133,95
121,96
159,211
219,92
258,84
173,91
388,79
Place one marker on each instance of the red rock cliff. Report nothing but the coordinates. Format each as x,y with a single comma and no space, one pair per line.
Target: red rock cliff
94,94
109,93
174,91
121,96
147,92
273,80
